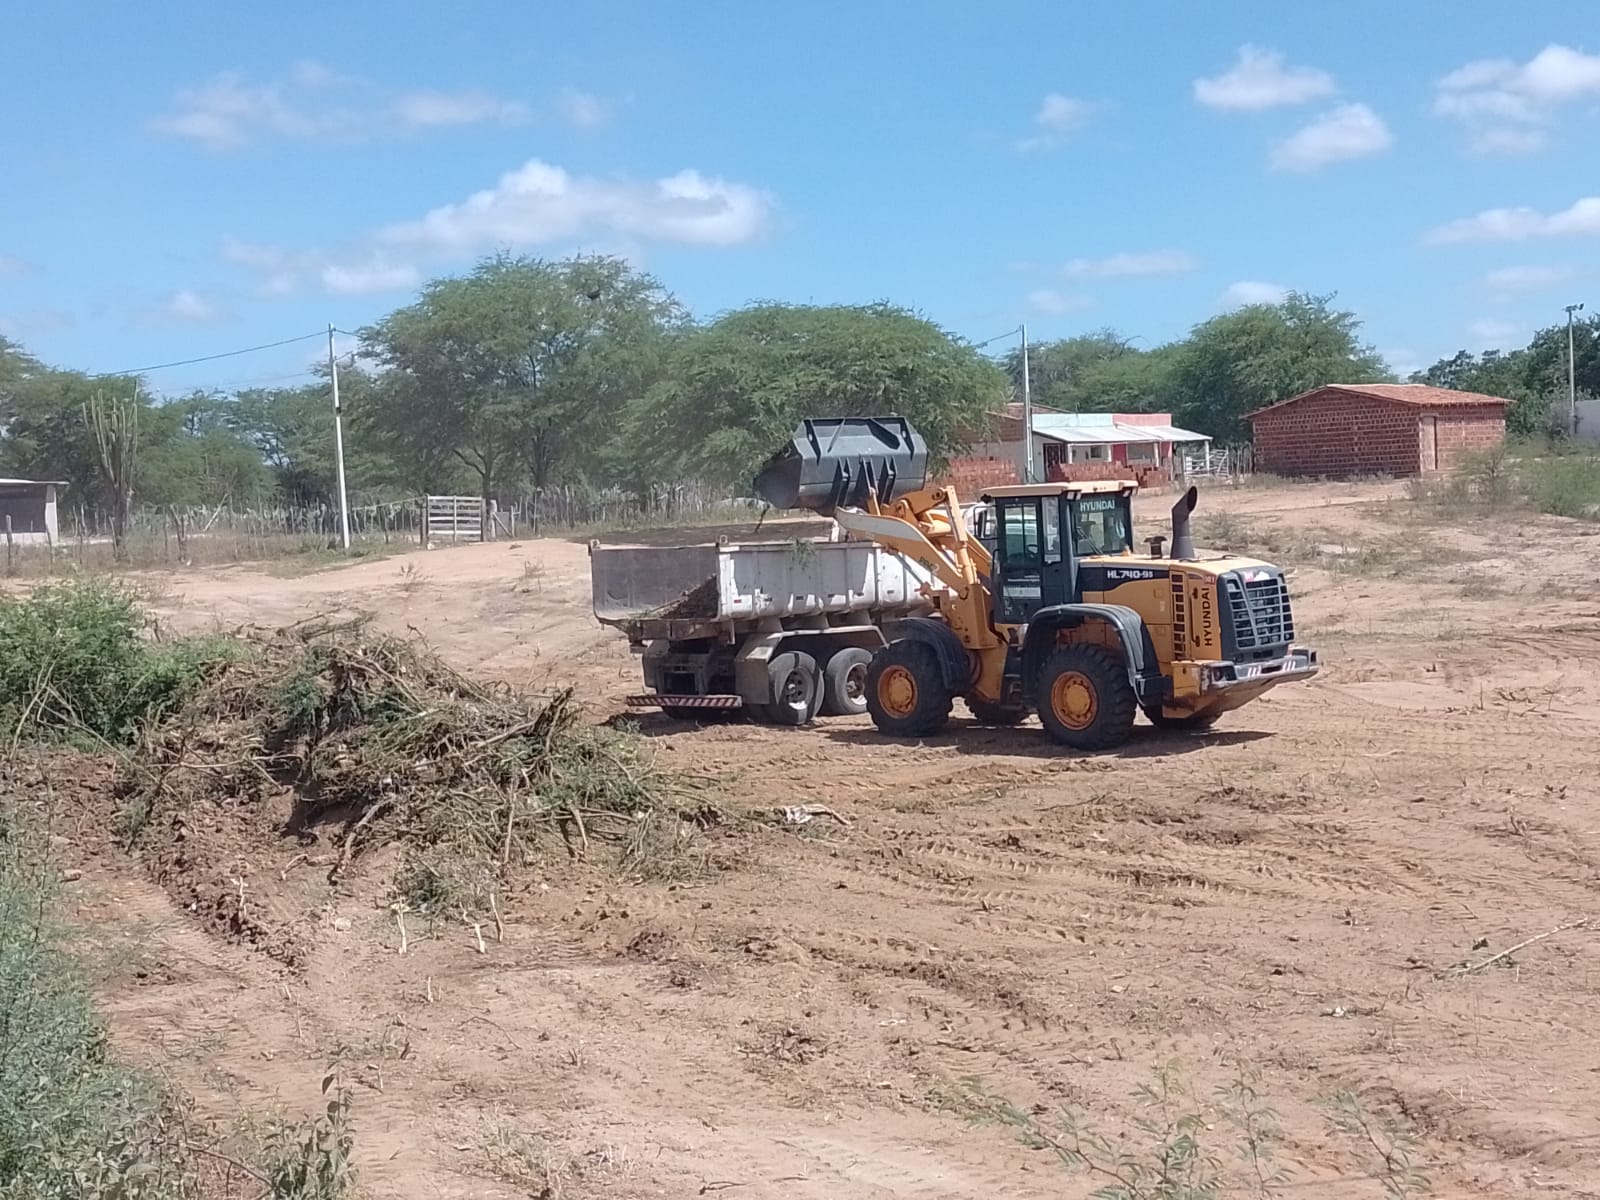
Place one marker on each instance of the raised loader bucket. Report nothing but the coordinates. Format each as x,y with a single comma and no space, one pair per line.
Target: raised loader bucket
832,461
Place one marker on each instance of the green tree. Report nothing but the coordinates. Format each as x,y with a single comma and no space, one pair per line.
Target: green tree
1253,356
735,389
1061,371
1494,373
43,432
522,366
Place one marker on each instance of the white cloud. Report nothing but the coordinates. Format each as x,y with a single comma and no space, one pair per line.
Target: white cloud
433,110
1252,291
343,279
279,269
1501,91
1527,279
1490,331
1048,300
1058,118
1345,133
538,204
1121,266
1260,80
584,110
1507,143
188,307
315,103
1521,224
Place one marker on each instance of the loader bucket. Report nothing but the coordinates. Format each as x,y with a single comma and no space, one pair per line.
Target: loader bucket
831,462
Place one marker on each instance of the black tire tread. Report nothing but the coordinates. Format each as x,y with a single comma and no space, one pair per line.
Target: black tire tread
835,703
933,697
1113,693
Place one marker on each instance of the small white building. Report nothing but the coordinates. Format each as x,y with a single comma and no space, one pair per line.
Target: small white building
1144,443
28,511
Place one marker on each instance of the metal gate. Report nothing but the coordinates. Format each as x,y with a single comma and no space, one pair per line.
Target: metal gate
453,519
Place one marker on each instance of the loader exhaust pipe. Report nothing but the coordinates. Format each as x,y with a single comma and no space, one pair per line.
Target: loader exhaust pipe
1182,538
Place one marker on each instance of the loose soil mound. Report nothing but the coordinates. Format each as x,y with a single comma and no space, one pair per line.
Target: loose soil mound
343,741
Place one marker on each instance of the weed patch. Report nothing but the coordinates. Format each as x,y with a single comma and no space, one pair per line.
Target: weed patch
76,662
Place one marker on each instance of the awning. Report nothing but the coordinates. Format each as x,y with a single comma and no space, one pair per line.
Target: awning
1112,434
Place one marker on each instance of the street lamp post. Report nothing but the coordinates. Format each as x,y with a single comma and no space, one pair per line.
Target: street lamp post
1572,371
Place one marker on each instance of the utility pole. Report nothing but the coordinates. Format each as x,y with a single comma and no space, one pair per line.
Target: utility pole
338,446
1572,371
1027,411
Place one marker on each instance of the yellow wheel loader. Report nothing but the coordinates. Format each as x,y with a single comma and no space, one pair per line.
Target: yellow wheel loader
1064,618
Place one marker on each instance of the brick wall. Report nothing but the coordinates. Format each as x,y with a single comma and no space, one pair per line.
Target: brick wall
1337,434
1147,475
1466,431
971,474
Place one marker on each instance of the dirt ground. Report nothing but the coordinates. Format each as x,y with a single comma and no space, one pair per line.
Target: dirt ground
1289,893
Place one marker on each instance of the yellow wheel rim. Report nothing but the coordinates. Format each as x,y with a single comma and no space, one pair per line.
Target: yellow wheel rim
1073,701
897,692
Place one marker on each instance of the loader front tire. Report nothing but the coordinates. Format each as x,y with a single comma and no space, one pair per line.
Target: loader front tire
906,692
1085,698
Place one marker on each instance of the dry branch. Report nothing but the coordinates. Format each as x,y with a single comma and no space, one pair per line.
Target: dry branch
1468,969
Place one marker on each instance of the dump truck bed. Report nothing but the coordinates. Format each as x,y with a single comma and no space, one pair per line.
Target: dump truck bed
685,592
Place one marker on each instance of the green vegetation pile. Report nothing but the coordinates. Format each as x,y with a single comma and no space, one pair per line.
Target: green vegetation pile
331,730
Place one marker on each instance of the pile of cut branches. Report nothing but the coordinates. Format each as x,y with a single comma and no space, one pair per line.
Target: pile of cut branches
378,738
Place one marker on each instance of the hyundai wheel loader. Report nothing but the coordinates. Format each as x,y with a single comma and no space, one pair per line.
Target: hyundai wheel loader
1064,618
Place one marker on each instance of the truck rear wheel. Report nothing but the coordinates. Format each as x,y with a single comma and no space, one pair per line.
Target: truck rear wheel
844,683
906,692
794,680
1085,699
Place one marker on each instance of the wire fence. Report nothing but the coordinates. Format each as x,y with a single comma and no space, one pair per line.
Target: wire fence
212,535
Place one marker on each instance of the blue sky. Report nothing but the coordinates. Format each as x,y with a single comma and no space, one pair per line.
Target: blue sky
184,179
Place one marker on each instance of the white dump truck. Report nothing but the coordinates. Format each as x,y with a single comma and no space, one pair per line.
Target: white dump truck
784,630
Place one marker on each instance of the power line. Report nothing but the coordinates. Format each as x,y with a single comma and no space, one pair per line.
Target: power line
998,337
186,362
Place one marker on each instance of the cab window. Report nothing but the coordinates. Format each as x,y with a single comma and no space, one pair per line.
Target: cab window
1100,525
1019,534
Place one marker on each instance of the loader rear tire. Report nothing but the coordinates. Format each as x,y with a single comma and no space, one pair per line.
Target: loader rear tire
906,692
844,683
796,685
1085,698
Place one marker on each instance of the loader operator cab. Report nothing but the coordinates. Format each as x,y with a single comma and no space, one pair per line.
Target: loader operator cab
1041,533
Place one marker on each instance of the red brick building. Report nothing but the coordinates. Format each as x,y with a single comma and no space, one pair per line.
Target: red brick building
1375,429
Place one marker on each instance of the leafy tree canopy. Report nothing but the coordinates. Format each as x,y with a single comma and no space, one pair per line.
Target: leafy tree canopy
734,390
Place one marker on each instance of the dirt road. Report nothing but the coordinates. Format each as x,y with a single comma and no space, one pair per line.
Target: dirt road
1291,897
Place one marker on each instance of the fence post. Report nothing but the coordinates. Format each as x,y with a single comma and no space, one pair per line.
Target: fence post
11,564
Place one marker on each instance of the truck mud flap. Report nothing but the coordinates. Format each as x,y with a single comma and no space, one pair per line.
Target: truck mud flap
655,700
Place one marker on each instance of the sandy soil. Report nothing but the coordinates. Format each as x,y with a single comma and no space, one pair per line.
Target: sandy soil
1289,892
